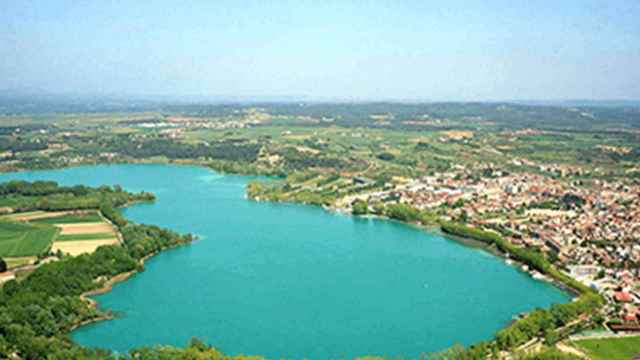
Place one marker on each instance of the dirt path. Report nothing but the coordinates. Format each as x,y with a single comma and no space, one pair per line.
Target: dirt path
571,350
34,215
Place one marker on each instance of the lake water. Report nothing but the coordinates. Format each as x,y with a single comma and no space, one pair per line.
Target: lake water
285,280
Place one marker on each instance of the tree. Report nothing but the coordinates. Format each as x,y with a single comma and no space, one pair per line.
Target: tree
458,204
360,207
464,217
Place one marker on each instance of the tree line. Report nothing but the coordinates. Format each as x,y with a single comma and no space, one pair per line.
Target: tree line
50,196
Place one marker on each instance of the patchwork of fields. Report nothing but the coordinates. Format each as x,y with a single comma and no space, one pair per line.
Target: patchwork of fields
34,233
85,236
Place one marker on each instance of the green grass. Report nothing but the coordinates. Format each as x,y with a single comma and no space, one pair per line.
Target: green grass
611,349
70,219
18,239
76,237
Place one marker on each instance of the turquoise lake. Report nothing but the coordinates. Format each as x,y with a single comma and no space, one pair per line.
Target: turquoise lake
295,281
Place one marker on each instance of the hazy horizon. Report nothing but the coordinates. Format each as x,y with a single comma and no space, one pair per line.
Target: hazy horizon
362,51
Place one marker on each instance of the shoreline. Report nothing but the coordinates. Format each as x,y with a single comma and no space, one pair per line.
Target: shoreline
110,283
462,240
493,250
93,304
108,286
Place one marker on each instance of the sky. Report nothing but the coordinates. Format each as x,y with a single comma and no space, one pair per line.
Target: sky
376,50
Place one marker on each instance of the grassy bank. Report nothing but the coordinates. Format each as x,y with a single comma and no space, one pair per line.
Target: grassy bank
624,348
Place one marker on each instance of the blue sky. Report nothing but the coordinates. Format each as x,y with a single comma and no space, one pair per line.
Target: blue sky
428,50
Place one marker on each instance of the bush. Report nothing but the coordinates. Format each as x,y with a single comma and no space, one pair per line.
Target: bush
360,207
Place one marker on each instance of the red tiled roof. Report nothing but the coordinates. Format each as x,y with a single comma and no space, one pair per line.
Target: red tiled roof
622,296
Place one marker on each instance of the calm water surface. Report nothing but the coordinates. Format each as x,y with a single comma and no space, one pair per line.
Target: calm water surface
295,281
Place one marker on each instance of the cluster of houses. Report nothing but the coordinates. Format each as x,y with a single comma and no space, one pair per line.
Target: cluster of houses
591,226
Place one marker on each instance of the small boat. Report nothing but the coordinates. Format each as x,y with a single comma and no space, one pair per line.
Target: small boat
536,275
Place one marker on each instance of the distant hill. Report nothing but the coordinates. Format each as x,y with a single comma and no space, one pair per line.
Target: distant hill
575,115
20,101
582,103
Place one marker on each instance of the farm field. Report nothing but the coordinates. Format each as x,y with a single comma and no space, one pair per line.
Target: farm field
79,247
19,240
95,236
85,228
32,233
81,234
625,348
69,218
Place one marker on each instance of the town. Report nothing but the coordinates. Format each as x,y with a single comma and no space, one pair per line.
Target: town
590,227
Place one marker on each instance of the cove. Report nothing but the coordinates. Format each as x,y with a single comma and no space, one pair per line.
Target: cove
295,281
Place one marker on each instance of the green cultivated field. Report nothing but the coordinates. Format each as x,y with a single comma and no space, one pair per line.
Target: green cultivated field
17,239
71,219
611,349
76,237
